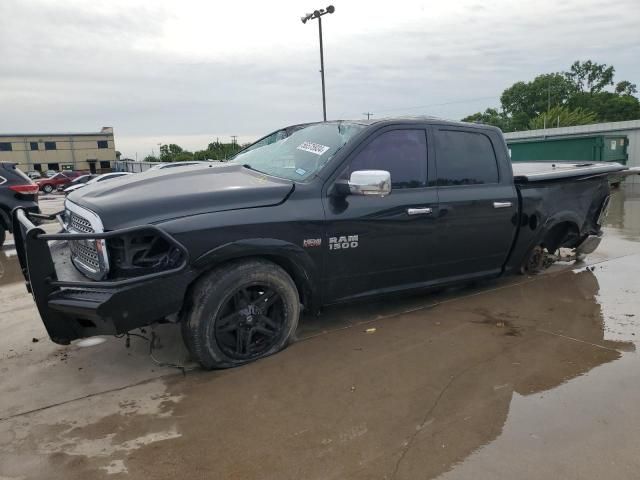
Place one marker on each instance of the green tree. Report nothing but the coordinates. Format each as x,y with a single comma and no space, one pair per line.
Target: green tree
174,153
625,87
585,89
590,76
608,106
562,116
490,116
525,100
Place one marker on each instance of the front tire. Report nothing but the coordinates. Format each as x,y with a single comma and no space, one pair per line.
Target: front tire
239,313
47,189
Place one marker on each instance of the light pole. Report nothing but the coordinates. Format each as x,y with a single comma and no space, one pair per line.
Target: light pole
310,16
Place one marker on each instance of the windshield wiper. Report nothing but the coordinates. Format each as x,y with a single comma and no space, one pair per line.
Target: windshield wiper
249,167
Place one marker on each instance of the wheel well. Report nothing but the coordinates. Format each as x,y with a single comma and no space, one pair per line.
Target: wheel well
296,274
563,234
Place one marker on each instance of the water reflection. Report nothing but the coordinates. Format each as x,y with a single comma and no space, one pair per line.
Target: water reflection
591,320
624,211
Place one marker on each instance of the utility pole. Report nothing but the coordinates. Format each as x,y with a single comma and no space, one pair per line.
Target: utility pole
368,114
309,16
234,139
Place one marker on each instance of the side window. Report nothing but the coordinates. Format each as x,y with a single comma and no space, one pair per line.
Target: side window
403,153
465,158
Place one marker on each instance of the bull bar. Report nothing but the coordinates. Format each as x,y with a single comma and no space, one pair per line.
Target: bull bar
83,308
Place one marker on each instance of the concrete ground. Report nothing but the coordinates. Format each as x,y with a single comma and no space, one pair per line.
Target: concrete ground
524,377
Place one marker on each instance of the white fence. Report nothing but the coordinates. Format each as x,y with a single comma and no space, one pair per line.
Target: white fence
132,166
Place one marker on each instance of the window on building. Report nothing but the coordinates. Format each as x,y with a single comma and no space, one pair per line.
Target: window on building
50,146
34,145
103,144
5,147
105,164
465,158
37,167
67,166
402,153
53,166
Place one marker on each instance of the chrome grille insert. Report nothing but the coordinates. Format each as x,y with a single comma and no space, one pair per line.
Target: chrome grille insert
80,224
88,255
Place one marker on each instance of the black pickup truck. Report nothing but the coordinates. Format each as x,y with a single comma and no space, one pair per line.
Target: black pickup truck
310,215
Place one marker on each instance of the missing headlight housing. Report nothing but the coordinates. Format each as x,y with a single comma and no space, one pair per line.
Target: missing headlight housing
141,253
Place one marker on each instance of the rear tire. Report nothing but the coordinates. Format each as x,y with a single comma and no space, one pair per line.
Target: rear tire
533,262
3,234
47,189
239,313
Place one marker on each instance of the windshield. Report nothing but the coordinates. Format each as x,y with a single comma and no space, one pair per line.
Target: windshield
300,155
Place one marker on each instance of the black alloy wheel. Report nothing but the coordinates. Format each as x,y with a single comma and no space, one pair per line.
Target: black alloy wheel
239,312
250,322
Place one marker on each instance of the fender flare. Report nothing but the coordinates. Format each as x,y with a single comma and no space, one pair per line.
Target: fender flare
292,258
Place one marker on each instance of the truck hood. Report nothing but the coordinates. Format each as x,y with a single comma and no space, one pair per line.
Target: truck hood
152,197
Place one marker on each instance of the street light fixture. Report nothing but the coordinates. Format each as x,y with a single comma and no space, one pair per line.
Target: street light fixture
310,16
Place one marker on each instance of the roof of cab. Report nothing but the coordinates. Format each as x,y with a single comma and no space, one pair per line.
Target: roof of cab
420,119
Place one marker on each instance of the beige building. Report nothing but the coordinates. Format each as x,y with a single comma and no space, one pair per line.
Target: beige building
93,152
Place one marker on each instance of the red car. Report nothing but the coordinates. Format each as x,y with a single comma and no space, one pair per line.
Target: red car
48,185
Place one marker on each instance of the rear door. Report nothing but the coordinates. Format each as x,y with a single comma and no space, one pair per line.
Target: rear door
478,202
377,244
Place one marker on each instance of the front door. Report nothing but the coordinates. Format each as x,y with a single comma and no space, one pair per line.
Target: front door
377,244
478,203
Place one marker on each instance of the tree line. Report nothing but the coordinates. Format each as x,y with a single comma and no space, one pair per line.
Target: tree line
584,94
214,151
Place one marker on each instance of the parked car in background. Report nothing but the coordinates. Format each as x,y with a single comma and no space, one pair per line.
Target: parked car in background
96,179
33,174
162,166
16,190
81,180
49,173
48,185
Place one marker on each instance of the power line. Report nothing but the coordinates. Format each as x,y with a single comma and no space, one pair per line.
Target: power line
452,102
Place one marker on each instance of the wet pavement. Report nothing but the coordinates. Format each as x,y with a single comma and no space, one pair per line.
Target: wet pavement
522,377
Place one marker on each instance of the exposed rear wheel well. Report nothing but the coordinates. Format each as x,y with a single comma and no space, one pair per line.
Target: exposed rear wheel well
563,234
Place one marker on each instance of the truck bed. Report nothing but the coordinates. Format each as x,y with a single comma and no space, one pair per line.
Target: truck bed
525,172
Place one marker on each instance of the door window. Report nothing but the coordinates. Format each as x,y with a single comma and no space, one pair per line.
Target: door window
402,153
465,158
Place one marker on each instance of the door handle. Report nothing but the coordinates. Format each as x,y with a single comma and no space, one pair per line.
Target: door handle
501,204
419,211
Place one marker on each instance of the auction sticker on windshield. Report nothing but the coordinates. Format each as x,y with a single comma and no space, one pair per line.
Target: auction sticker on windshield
313,147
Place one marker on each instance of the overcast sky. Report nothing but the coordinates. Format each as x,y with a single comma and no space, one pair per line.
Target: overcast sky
189,71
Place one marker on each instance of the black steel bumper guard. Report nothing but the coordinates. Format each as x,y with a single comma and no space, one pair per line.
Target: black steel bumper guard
84,308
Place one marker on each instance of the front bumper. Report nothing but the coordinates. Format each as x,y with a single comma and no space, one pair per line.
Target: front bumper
72,306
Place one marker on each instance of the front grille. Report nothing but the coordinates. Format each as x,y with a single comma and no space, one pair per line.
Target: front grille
84,253
80,224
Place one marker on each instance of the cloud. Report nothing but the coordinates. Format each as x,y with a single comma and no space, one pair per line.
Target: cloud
195,70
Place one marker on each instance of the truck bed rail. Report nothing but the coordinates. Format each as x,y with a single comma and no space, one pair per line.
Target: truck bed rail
525,172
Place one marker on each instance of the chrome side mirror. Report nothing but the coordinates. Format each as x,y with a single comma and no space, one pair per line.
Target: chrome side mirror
370,182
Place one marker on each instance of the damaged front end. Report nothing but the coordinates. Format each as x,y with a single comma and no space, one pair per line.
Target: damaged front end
88,282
